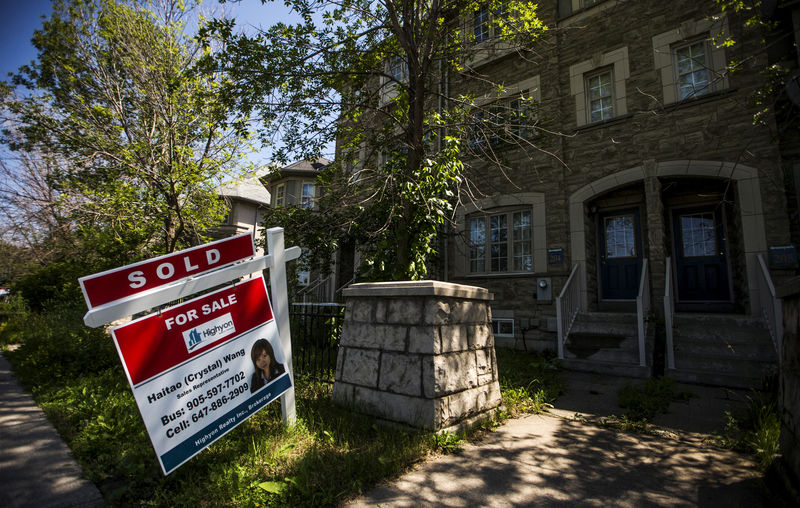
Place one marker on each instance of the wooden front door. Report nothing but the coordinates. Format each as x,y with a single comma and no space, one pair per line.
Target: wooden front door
620,255
701,260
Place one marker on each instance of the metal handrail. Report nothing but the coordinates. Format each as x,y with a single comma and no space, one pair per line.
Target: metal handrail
771,307
568,305
642,309
669,316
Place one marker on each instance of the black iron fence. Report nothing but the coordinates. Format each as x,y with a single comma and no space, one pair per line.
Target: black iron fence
316,328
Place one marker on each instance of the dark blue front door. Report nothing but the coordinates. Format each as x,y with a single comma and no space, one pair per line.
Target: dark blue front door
620,254
701,265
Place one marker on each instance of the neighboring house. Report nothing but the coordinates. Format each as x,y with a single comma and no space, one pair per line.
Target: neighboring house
661,201
295,185
247,199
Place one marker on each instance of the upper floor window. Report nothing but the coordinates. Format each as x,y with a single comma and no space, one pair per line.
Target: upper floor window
510,119
598,85
692,68
481,24
280,195
600,95
500,242
688,64
307,196
569,7
398,69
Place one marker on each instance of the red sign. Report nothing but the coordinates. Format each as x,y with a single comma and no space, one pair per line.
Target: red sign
158,342
113,285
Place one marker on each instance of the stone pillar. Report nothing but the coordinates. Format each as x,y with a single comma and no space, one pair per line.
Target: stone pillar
418,353
789,400
656,231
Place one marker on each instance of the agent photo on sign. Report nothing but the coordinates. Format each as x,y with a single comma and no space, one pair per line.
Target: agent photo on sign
267,367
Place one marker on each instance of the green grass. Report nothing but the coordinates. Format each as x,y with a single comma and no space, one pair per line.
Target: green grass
330,455
756,430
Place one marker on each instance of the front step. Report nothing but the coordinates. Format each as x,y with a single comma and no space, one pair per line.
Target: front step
722,350
607,343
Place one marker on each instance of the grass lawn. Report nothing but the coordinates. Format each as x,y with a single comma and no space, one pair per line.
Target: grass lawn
330,455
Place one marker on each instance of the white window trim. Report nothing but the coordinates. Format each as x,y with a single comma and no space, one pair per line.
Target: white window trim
389,86
587,83
618,60
538,230
303,183
483,52
280,200
503,320
664,54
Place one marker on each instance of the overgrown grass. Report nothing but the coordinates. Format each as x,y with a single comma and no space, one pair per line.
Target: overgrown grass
330,455
530,382
757,430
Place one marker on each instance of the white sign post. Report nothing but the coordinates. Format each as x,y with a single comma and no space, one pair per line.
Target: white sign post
199,369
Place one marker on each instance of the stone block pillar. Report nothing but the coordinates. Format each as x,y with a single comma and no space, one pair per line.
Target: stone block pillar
418,353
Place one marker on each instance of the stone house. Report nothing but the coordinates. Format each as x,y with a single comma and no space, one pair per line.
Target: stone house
658,205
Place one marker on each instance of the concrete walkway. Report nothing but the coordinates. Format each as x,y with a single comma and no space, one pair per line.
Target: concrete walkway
36,467
559,460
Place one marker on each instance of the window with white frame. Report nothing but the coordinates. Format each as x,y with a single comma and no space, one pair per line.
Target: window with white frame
692,69
280,194
568,7
501,242
689,65
481,24
598,85
303,277
503,327
600,95
510,119
398,69
307,195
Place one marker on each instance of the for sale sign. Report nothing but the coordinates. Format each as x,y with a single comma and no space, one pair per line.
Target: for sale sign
201,368
112,285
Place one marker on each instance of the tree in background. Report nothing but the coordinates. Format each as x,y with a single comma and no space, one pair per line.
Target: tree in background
372,75
134,139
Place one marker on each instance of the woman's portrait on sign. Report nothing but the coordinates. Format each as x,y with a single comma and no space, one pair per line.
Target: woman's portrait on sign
267,367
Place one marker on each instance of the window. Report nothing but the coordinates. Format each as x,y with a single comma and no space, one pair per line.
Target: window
689,66
569,7
699,235
280,195
503,327
398,69
307,196
508,242
507,120
481,24
692,68
600,96
598,85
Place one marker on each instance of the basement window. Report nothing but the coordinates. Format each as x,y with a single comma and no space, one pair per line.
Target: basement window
503,327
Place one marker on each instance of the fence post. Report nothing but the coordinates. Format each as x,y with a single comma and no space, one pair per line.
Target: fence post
280,305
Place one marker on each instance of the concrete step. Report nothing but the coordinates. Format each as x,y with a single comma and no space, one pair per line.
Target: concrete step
609,323
602,347
607,368
715,347
723,365
705,377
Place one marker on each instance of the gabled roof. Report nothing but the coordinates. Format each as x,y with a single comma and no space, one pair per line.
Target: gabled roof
248,189
307,169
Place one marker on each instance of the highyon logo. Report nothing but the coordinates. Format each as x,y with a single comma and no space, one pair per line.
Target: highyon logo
211,330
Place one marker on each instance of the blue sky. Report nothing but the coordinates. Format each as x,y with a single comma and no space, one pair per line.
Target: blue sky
19,19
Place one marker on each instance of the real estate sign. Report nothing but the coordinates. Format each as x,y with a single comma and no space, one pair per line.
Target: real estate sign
128,281
193,368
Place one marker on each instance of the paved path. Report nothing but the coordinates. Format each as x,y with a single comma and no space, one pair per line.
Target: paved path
555,460
36,467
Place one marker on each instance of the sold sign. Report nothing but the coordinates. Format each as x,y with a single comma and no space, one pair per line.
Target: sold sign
112,285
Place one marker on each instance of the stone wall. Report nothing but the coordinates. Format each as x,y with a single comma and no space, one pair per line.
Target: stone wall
418,353
790,387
